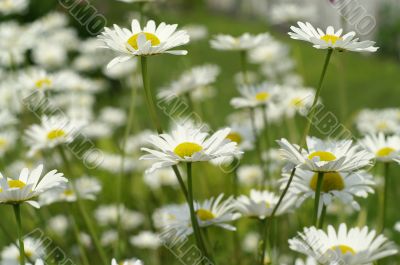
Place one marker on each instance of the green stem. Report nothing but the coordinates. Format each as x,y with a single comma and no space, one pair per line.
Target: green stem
149,97
81,207
193,216
267,141
317,196
264,227
385,195
77,233
322,218
258,146
17,212
120,179
243,63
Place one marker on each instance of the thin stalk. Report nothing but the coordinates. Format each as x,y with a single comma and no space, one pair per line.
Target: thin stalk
264,226
267,141
83,212
17,212
385,195
258,146
122,171
77,233
148,95
317,196
193,216
306,131
322,218
243,63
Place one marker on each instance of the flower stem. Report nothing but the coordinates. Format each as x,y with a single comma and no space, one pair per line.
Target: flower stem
267,141
149,96
17,212
317,196
83,212
385,195
122,171
77,233
193,216
322,217
258,146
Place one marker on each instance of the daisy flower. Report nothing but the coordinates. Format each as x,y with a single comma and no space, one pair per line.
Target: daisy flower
8,7
325,156
249,175
384,148
29,185
196,32
255,96
150,40
296,100
196,78
330,39
351,247
52,131
372,121
107,215
244,42
146,240
36,79
34,249
127,262
260,204
341,185
188,144
164,177
308,261
7,141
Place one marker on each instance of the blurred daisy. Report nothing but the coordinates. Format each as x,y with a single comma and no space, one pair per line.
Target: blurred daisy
255,96
36,79
121,70
196,32
161,178
242,135
29,185
371,121
15,42
58,225
260,204
86,188
397,227
269,53
145,240
7,141
127,262
249,175
150,40
8,7
109,237
49,56
351,247
113,116
34,249
107,215
308,261
53,131
330,39
244,42
341,185
196,78
384,148
325,156
296,100
188,144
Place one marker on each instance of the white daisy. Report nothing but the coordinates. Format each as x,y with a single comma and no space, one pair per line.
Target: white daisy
384,148
188,144
244,42
36,79
7,141
260,204
330,39
325,156
196,31
8,7
249,175
351,247
146,240
59,225
150,40
34,249
255,96
52,131
371,121
341,185
269,53
296,100
107,215
86,188
127,262
308,261
161,178
196,78
29,185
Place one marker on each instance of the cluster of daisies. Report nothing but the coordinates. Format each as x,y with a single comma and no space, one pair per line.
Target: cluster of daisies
51,84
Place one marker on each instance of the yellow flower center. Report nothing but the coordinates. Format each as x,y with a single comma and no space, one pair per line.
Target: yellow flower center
382,126
187,149
132,41
331,181
205,215
386,151
68,192
344,249
43,82
28,254
297,102
56,133
3,142
262,96
330,38
15,184
323,156
235,137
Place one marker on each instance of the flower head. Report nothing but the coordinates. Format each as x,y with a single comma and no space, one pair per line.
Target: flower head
330,39
244,42
384,148
351,247
255,96
29,185
150,40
